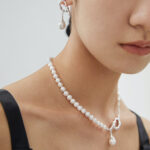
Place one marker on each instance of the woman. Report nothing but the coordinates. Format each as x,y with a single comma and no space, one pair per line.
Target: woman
72,103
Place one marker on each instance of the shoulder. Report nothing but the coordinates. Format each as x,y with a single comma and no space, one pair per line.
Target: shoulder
4,131
146,123
5,140
28,95
26,89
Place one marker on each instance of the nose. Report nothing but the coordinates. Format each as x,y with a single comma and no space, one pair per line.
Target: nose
140,16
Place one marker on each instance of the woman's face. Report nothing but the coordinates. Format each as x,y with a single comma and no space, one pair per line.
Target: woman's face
103,24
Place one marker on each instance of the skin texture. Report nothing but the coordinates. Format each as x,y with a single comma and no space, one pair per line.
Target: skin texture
107,23
90,66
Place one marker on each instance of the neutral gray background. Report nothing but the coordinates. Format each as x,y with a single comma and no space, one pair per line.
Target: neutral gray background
29,34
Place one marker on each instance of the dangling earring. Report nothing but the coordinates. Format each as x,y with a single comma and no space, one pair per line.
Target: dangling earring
62,24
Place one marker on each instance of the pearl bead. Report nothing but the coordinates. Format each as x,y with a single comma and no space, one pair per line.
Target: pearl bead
97,122
91,117
53,71
79,107
100,124
76,104
94,120
51,67
49,64
62,88
57,80
66,93
69,97
59,84
87,114
55,76
72,101
83,110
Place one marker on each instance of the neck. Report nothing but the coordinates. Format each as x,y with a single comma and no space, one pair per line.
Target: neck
93,85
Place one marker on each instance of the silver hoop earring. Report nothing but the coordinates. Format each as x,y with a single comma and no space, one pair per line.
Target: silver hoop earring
64,9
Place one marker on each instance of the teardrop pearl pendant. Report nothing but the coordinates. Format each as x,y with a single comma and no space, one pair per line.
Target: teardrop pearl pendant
62,24
112,140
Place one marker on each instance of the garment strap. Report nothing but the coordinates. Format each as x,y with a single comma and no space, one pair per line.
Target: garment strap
17,130
143,136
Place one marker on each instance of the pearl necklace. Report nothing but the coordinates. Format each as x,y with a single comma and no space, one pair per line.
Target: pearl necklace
116,122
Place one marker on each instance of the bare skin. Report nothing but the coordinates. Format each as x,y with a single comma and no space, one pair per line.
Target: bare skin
52,123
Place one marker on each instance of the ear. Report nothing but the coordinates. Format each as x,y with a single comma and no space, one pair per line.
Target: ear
69,2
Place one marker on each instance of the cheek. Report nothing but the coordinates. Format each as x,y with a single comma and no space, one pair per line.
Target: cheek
101,29
99,25
97,28
98,21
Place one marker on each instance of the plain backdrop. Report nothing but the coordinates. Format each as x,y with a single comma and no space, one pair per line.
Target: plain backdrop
29,35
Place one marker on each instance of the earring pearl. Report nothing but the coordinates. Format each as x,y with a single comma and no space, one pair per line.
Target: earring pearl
62,24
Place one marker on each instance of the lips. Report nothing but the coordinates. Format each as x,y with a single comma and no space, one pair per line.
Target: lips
142,44
136,49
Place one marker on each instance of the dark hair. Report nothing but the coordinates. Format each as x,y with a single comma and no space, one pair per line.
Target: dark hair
68,29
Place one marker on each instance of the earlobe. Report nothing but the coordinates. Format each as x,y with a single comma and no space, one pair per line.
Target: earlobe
69,2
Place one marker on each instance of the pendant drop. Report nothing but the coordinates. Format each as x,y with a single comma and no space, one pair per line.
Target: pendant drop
112,140
62,24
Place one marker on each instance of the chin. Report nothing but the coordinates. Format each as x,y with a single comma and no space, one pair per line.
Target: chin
127,69
124,62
